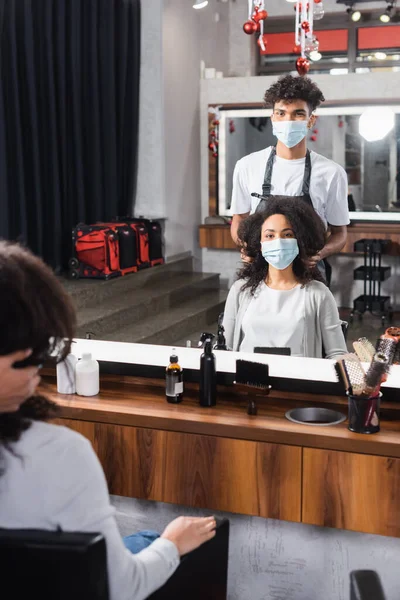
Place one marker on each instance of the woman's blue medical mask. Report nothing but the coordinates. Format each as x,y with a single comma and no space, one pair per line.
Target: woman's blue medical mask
290,133
280,253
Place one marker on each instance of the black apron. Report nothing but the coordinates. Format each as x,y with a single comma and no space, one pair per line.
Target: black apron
266,188
323,265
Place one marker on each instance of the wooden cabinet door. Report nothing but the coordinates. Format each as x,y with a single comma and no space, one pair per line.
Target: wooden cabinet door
201,471
351,491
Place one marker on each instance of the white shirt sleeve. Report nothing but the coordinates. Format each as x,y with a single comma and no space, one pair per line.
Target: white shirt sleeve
337,208
81,503
241,195
331,327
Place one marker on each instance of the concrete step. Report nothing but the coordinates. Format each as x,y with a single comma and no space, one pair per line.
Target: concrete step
104,316
199,313
88,292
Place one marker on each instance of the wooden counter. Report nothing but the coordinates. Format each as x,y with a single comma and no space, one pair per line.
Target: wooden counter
222,459
219,237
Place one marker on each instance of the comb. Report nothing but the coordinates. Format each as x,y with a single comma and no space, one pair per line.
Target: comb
364,349
252,378
343,376
355,373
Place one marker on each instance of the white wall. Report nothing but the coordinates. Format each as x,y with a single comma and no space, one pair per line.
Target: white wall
175,38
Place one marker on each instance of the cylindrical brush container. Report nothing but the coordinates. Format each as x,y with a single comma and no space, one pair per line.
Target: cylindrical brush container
364,414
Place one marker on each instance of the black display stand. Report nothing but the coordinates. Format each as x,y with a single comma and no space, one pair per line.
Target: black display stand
372,273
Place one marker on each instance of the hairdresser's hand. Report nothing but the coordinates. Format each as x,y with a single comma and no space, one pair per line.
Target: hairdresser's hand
16,384
311,261
189,533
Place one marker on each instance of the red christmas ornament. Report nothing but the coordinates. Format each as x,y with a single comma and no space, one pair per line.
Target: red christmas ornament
317,1
306,26
212,133
296,50
315,130
340,124
259,15
216,123
313,138
250,27
215,154
231,126
264,39
211,146
302,66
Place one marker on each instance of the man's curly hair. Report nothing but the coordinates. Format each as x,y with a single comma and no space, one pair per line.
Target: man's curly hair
289,88
307,227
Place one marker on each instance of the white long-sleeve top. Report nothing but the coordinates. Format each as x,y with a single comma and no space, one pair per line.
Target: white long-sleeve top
54,479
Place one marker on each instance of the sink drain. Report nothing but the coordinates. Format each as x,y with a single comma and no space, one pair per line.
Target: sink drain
315,416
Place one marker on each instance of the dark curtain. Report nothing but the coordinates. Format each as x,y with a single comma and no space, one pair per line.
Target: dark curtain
69,111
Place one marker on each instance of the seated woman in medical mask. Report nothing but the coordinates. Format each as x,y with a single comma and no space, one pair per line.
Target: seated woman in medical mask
277,302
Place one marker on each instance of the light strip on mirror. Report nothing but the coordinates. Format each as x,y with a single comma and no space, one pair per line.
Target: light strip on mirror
285,367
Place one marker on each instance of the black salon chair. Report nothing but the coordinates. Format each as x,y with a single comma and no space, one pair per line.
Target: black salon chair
365,585
72,566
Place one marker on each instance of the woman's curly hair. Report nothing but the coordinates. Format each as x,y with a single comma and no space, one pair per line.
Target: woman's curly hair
37,313
289,88
307,227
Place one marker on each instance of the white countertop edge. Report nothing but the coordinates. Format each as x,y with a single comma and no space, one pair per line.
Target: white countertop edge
286,367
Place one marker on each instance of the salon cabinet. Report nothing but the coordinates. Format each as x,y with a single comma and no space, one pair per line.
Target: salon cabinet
222,459
219,236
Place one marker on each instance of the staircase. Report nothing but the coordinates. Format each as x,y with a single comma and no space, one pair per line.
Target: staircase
166,304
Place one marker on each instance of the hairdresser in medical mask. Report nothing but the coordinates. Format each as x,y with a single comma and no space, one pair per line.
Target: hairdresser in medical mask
290,169
279,301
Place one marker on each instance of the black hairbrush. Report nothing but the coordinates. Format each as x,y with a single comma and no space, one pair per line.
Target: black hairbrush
252,378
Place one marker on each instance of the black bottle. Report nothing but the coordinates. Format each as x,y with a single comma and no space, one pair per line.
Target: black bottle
174,381
208,376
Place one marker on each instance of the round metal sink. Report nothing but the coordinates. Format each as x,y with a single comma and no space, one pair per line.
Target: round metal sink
315,416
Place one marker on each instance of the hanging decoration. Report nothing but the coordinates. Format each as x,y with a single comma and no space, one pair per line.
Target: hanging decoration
255,22
213,132
306,43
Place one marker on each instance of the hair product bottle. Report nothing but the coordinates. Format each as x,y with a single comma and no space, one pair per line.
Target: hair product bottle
87,376
174,380
66,375
208,376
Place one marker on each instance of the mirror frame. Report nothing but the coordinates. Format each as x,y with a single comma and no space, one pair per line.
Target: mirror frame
217,167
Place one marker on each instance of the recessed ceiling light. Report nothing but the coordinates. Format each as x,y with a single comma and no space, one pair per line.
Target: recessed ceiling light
356,16
380,55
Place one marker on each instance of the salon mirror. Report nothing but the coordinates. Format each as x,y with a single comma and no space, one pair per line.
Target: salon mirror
371,158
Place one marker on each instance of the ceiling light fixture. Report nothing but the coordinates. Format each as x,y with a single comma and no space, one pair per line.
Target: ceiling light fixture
380,55
355,15
387,15
200,4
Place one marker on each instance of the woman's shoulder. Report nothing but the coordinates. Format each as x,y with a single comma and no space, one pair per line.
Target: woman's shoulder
236,287
48,437
318,289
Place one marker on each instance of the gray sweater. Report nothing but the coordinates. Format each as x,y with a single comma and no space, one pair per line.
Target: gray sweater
322,323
